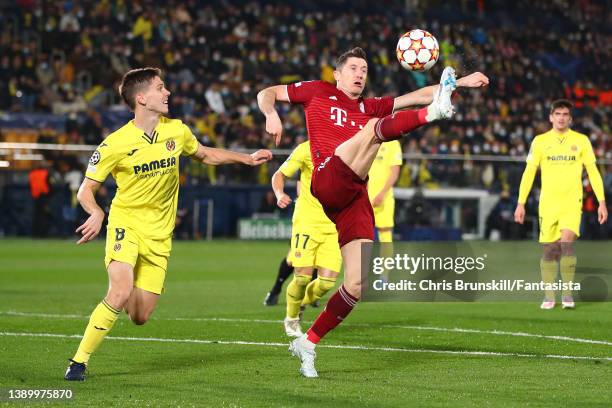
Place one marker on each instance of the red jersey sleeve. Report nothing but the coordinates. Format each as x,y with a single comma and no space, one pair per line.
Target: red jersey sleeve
379,107
303,92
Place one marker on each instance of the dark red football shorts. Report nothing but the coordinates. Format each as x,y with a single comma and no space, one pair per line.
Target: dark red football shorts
344,197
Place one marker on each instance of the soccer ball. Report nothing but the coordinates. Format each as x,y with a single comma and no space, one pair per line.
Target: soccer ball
417,50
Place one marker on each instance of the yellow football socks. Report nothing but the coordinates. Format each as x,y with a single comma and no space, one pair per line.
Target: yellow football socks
549,273
295,294
101,321
317,289
567,266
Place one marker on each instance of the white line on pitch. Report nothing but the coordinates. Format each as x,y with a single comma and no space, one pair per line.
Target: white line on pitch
382,326
331,346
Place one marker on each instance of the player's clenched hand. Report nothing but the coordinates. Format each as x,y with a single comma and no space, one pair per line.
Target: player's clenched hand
474,80
283,201
260,157
519,214
91,228
274,127
602,213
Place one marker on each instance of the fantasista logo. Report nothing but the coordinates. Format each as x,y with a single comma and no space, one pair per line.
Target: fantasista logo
155,167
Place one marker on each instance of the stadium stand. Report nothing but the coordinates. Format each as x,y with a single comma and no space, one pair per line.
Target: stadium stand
60,63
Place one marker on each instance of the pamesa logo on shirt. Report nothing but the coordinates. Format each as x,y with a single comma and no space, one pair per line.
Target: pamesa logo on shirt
154,165
561,158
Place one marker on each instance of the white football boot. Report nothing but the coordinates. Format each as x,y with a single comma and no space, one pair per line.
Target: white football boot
442,106
547,304
304,350
292,327
568,302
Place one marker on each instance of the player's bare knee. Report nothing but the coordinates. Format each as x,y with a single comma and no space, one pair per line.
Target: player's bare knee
552,251
558,251
118,296
567,249
369,131
366,136
371,125
546,252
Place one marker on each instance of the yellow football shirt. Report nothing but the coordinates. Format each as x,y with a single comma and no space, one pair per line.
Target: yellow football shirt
308,209
146,170
561,158
389,154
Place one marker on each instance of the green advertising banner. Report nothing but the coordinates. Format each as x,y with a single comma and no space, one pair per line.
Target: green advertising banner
264,228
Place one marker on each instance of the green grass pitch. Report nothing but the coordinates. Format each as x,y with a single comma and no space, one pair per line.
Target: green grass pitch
211,342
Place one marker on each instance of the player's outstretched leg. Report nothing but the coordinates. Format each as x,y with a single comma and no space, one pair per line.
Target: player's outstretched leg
122,295
340,304
101,321
442,106
394,126
103,317
359,152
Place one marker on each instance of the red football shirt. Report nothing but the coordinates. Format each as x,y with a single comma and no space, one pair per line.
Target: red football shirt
332,117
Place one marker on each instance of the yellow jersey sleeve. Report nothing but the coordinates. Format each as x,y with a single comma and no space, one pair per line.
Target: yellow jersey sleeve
295,160
526,183
588,155
190,145
590,164
102,162
535,153
533,162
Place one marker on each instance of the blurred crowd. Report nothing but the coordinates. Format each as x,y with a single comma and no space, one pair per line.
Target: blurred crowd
68,56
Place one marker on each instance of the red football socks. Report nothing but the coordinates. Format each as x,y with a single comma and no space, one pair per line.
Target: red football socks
393,126
338,307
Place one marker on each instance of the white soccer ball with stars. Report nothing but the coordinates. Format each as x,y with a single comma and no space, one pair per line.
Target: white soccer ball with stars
417,50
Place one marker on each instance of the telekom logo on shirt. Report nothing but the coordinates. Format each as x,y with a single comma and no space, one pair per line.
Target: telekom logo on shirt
338,115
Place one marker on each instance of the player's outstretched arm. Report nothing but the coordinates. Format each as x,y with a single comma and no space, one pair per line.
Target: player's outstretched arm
524,189
266,99
87,198
214,156
598,189
278,186
473,80
424,96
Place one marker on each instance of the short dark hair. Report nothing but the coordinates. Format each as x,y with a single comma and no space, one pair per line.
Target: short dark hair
356,52
561,103
133,81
